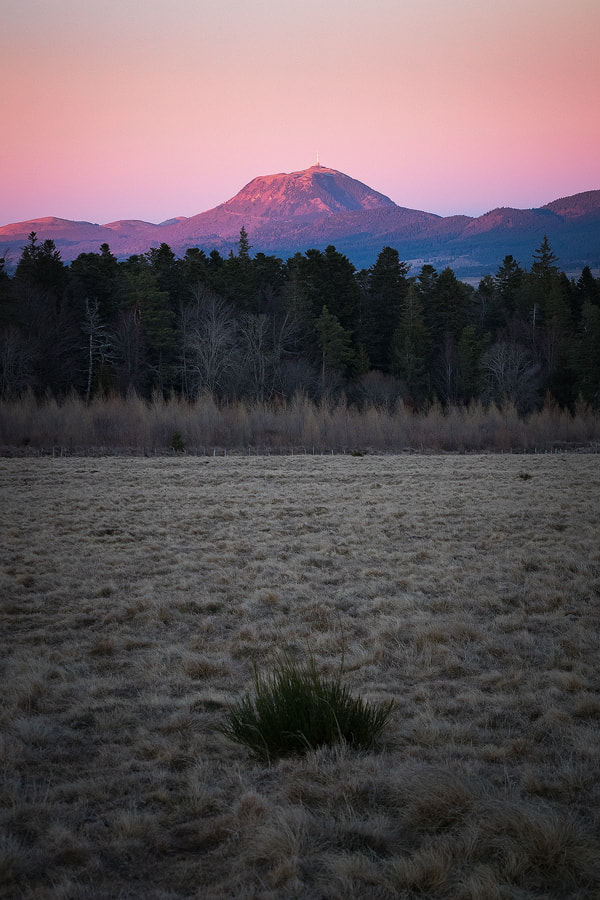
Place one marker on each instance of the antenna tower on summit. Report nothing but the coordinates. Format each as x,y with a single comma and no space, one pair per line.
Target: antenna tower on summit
318,163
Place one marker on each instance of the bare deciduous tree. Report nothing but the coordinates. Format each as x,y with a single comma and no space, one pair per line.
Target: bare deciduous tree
99,345
446,370
127,343
511,374
254,332
209,343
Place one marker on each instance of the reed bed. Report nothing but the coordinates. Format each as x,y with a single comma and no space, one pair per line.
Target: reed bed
139,596
134,426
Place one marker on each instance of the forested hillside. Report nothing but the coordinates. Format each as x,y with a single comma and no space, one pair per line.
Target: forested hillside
262,328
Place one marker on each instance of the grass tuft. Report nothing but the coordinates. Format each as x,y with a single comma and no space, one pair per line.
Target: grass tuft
293,710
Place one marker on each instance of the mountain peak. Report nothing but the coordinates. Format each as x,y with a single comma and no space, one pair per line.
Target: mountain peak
305,195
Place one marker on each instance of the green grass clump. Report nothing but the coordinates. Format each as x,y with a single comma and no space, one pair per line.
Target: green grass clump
177,442
293,710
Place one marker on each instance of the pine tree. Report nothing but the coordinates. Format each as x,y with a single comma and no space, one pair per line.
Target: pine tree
507,281
411,345
449,312
545,262
586,353
243,246
387,287
334,344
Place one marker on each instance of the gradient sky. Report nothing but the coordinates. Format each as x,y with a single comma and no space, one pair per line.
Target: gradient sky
150,109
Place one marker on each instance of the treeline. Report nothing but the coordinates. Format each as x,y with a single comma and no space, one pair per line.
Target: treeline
255,328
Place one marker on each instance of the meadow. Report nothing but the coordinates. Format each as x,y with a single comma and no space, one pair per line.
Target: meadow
138,594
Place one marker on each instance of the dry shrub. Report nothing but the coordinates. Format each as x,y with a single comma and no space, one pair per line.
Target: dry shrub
131,423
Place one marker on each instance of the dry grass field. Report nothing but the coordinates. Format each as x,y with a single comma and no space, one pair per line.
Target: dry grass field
138,594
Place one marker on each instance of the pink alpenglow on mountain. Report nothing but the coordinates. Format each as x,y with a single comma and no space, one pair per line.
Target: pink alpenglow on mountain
309,194
291,212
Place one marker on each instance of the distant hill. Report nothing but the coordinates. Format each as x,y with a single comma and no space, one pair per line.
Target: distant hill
292,212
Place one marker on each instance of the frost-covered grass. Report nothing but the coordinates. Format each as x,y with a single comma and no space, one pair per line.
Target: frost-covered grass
138,597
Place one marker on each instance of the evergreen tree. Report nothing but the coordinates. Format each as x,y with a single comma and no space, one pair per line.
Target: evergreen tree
50,317
151,309
587,288
7,305
586,354
507,281
487,305
318,279
425,283
40,267
411,346
244,247
558,308
168,273
449,310
237,277
387,286
340,289
334,344
194,271
16,371
471,348
297,301
552,287
269,280
96,275
540,284
545,262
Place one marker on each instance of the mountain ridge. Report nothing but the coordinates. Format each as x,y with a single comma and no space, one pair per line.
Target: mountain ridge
292,212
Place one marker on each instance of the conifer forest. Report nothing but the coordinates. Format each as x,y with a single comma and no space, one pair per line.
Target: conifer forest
254,328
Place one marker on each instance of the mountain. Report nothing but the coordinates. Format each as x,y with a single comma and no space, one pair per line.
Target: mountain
318,206
307,195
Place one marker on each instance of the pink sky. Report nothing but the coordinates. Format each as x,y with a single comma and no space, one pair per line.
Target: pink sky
150,109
